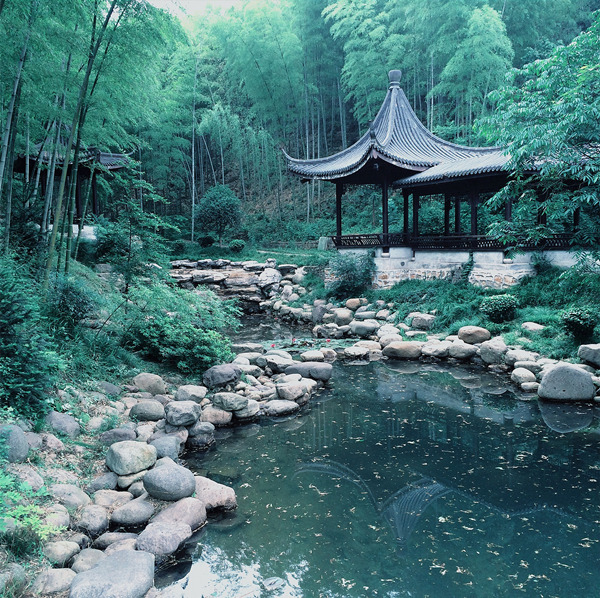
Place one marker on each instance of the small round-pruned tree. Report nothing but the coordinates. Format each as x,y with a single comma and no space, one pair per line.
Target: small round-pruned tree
218,210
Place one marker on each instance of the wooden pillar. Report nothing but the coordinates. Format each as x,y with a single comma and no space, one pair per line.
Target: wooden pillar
576,218
95,195
473,199
446,215
78,184
339,192
416,199
384,213
406,195
508,210
457,215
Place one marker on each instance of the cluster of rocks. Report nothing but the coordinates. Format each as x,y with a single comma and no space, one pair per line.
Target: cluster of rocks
251,282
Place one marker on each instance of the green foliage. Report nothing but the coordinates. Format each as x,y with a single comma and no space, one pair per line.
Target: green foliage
28,363
179,328
237,245
580,322
499,308
352,274
207,241
70,301
218,210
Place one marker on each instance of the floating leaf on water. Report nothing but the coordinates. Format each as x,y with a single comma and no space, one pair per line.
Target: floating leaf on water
273,583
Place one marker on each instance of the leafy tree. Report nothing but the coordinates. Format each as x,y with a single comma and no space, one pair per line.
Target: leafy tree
548,118
219,209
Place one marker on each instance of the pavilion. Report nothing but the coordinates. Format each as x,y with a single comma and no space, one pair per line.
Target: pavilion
399,152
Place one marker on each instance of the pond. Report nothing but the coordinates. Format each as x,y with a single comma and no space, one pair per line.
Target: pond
406,480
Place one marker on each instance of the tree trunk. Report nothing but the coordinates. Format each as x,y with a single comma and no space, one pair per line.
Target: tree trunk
83,212
11,154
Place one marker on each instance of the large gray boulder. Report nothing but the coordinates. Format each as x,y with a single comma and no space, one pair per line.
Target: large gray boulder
147,411
474,334
133,513
63,423
311,369
566,382
214,495
216,416
191,392
343,316
93,520
130,457
116,435
421,321
163,538
86,559
279,407
403,350
61,552
170,482
150,383
276,363
461,350
53,581
229,401
190,511
513,355
249,411
492,351
182,413
105,540
221,375
436,348
167,446
124,574
69,495
364,327
590,354
15,443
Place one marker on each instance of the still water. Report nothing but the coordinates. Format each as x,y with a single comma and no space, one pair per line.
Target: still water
406,481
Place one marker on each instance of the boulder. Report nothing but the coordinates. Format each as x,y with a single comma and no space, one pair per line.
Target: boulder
190,511
12,580
120,546
69,495
150,383
63,423
386,339
249,411
221,375
229,401
15,443
532,366
276,363
461,350
182,413
105,540
130,457
314,355
269,277
111,499
532,326
191,392
436,348
133,513
278,407
93,520
492,351
169,482
86,559
474,334
27,475
522,375
53,581
116,435
163,538
167,446
365,315
356,352
354,303
403,350
61,552
214,495
343,316
247,348
291,391
566,382
421,321
514,355
215,416
110,389
311,369
590,354
125,574
57,516
147,411
364,327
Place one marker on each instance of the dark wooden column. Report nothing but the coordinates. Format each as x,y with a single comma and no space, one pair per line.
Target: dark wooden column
457,215
95,203
508,210
416,199
406,196
339,192
384,213
576,219
473,200
446,215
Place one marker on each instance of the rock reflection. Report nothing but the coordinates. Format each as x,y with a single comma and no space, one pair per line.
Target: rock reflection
566,417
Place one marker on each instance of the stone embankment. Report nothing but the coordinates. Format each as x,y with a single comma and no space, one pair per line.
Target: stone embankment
143,505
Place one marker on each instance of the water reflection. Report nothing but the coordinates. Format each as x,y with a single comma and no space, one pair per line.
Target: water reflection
482,496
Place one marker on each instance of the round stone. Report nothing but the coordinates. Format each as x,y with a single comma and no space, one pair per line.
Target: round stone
169,482
130,457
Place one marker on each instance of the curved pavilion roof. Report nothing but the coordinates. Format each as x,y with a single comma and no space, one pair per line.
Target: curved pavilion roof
403,146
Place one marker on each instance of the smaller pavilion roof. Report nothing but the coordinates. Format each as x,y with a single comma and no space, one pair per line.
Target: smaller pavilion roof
396,137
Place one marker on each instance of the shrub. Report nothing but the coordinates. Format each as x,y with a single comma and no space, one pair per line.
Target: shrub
27,362
207,241
180,328
352,274
499,308
237,245
218,210
70,301
579,321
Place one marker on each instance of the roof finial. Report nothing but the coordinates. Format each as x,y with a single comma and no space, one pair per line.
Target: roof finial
395,77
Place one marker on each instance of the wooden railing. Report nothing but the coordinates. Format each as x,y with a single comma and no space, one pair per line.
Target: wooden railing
450,242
